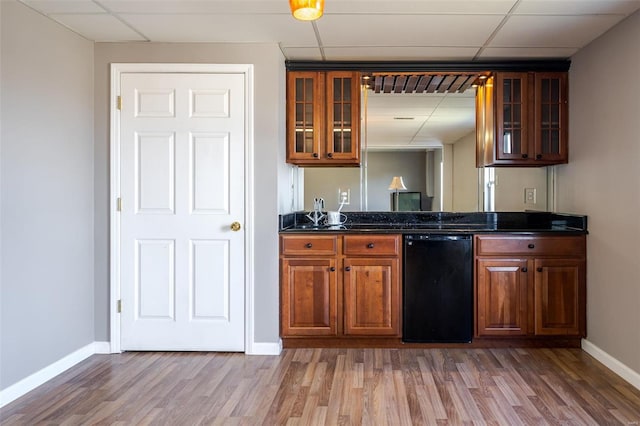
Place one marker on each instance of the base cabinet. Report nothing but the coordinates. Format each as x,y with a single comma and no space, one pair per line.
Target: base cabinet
530,285
340,285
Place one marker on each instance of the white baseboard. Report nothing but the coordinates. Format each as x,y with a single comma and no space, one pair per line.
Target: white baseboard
631,376
265,348
31,382
101,347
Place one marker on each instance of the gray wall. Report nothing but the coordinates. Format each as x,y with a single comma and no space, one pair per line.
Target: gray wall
47,193
270,173
383,166
602,181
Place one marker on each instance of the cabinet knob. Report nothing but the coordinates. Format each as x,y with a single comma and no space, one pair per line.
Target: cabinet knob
332,269
539,269
315,155
531,246
525,155
524,269
348,268
539,157
308,245
330,154
370,245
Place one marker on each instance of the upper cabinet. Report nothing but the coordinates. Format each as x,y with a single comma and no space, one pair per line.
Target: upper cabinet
522,119
323,118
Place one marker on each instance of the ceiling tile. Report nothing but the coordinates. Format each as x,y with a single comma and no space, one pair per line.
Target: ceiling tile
527,52
552,31
65,6
198,7
399,53
406,30
224,28
302,53
99,27
573,7
413,6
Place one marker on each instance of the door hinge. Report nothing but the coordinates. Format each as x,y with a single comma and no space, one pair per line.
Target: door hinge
119,306
119,204
119,103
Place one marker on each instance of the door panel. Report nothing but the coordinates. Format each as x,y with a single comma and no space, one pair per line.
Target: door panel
371,296
502,297
182,139
558,295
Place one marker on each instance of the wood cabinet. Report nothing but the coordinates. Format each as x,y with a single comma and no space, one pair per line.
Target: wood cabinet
522,119
340,285
323,118
530,285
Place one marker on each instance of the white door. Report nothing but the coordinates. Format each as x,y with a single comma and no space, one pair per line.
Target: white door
182,139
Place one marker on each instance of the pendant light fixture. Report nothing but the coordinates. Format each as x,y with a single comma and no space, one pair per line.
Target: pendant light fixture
307,10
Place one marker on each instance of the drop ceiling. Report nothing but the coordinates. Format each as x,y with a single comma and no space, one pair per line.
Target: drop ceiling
424,30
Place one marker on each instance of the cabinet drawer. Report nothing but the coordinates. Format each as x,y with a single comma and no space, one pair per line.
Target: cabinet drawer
371,245
309,244
488,245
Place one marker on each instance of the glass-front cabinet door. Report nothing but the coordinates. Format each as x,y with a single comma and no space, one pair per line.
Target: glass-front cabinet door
512,138
305,97
551,121
343,116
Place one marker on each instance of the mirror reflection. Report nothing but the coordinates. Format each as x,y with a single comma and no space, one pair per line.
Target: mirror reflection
428,139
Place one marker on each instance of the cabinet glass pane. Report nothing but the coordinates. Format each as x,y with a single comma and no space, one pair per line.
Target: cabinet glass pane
512,143
550,104
507,90
341,110
304,131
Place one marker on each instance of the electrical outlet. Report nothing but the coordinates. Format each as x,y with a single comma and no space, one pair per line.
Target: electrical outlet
344,196
529,195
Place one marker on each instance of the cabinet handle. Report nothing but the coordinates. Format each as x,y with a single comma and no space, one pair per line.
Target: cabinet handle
332,269
539,157
330,154
370,245
348,268
539,269
531,246
315,155
524,269
525,155
308,245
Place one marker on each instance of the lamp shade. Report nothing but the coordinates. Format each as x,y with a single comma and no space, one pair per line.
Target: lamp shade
397,184
307,10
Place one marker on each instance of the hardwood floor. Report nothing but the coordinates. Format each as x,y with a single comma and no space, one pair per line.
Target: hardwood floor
334,386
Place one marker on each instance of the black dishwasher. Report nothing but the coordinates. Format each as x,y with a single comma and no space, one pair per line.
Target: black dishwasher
437,288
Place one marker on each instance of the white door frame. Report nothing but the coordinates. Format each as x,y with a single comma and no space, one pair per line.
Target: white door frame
114,192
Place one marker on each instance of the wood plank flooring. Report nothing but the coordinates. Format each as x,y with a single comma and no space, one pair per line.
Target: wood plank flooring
503,386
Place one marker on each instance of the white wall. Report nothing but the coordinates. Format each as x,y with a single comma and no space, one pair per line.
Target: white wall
465,175
270,172
47,192
602,180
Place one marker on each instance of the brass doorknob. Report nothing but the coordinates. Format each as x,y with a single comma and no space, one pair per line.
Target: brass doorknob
235,226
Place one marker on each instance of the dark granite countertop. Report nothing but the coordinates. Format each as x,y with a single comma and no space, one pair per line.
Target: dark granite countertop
439,222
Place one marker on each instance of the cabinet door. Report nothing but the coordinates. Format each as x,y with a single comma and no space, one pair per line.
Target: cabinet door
371,296
559,296
308,297
501,297
512,116
305,115
343,117
551,117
